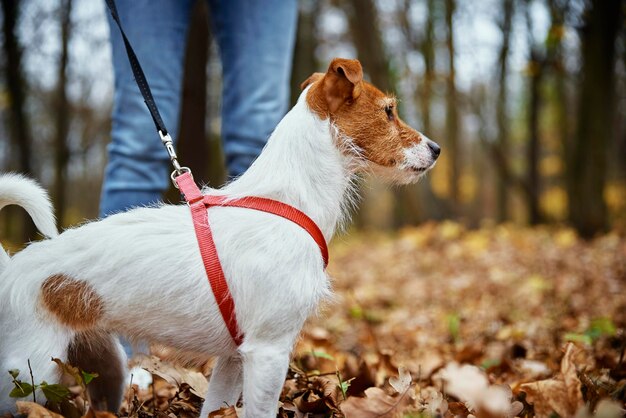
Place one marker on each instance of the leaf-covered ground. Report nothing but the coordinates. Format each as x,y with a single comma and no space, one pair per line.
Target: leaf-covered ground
438,320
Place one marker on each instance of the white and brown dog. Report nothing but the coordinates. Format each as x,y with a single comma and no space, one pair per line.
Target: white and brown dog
71,295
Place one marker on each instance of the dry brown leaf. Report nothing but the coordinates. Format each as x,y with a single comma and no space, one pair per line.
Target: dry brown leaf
174,374
384,366
570,375
470,385
362,376
225,412
376,404
433,402
561,394
322,396
401,383
34,410
186,403
291,407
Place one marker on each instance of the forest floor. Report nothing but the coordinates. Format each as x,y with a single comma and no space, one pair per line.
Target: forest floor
438,320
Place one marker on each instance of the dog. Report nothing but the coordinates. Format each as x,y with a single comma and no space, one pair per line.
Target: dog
71,295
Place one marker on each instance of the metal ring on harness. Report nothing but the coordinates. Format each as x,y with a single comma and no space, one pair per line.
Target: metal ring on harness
178,172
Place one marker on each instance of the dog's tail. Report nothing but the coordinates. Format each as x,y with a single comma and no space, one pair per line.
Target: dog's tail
18,190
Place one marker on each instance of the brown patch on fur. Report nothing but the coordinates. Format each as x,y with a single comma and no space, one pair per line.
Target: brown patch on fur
358,109
73,302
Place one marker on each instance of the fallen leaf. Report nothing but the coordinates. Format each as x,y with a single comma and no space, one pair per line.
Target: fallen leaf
322,396
174,374
376,404
34,410
225,412
433,402
401,383
470,385
465,382
561,394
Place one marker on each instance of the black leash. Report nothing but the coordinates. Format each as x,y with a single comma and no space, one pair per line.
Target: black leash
144,88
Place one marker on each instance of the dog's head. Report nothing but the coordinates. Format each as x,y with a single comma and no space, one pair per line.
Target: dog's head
367,119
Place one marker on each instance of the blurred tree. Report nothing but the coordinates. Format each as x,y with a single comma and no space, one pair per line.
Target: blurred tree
18,120
217,163
62,114
368,42
427,47
192,136
304,62
418,203
586,176
452,103
501,105
19,125
196,147
536,70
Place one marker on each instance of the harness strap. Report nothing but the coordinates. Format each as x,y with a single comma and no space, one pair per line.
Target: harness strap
277,208
199,204
208,251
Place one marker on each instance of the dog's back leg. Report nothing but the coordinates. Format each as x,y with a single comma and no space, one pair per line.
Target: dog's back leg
102,353
27,339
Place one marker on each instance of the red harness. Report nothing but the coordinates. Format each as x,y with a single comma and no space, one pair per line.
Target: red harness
199,203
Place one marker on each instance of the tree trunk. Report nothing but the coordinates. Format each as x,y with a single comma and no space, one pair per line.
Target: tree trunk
62,115
193,144
428,53
431,205
19,125
368,42
533,148
587,169
452,118
304,62
501,106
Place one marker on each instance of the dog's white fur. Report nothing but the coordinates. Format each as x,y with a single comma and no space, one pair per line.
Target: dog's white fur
146,267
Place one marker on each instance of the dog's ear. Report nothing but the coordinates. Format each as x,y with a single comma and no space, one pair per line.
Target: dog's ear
342,82
312,79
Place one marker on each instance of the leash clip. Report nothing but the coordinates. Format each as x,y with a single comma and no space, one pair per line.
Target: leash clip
169,146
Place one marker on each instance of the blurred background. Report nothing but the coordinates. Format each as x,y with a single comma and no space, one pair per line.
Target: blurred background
526,97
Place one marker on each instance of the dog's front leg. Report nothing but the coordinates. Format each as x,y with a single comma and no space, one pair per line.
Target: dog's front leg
264,370
224,385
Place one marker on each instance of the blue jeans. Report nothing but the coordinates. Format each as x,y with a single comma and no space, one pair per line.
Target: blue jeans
255,38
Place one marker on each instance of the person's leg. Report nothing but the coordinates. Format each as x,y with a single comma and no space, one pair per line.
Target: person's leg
137,172
256,40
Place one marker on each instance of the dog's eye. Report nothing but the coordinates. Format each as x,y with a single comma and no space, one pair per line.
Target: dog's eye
389,111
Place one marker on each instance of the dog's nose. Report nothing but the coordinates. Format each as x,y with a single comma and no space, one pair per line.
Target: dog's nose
434,148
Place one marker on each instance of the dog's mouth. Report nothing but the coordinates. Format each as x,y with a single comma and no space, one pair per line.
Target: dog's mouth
420,169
